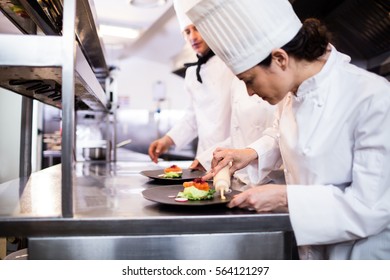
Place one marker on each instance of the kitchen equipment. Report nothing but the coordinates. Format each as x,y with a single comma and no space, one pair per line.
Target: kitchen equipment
94,153
97,150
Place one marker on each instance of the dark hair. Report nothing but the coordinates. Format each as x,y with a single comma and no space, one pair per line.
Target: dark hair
309,44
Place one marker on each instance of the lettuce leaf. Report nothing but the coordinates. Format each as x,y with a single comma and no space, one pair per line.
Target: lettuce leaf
192,193
172,175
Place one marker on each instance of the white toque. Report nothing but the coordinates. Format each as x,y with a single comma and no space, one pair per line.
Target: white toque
244,32
181,7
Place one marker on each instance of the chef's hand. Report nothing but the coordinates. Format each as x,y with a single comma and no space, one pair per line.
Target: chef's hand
196,165
159,146
239,158
266,198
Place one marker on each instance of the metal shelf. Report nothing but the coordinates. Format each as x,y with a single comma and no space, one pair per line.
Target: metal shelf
65,68
25,70
31,65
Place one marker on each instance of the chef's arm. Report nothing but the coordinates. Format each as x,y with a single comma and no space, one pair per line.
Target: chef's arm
159,147
239,158
185,130
266,198
268,158
206,157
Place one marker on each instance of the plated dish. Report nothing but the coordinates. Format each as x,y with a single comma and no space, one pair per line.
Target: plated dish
167,195
187,175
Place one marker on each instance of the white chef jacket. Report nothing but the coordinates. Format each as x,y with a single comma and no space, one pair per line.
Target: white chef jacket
333,138
209,111
250,117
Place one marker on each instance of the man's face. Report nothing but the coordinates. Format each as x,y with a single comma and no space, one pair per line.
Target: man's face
192,35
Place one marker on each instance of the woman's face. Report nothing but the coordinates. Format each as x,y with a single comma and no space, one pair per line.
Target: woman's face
271,83
192,35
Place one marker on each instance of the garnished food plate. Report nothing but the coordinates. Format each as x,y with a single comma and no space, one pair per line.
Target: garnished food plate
187,175
167,195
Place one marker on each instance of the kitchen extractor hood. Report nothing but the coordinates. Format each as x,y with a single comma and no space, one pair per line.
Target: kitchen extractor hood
360,28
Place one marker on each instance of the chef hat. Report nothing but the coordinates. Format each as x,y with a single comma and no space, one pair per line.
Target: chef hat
244,32
181,7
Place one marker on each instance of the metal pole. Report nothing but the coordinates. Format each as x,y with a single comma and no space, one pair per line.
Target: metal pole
26,138
68,107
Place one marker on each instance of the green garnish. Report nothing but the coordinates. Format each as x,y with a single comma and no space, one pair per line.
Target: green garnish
171,175
192,193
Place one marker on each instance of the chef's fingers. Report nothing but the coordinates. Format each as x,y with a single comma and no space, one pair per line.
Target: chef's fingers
209,175
219,154
196,165
152,152
239,200
214,162
155,150
221,164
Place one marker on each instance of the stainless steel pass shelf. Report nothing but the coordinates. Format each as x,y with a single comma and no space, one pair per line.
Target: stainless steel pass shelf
64,68
48,17
31,66
112,220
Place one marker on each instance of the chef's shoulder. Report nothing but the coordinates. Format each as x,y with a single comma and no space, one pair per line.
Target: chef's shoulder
215,68
218,65
358,88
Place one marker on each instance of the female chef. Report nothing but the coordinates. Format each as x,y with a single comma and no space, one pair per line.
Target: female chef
331,132
219,105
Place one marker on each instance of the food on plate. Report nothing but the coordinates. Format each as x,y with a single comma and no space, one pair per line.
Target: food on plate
173,168
196,190
171,175
197,183
171,172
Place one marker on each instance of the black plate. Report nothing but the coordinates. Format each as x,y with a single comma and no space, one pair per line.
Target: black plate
188,175
167,194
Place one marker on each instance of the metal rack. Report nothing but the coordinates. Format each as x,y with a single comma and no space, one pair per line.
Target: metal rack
64,68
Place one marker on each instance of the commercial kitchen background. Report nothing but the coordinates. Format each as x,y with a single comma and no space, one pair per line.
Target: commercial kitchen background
138,70
157,53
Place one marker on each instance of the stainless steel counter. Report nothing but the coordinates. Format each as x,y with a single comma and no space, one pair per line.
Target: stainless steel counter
112,220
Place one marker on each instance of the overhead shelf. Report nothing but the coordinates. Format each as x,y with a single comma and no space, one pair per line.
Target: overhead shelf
63,66
30,65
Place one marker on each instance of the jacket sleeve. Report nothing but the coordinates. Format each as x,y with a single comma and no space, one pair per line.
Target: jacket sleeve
205,157
267,149
186,130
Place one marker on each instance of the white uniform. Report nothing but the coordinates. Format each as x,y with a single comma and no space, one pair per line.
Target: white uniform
209,112
250,117
333,138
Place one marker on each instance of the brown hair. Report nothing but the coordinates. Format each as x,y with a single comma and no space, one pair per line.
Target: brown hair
309,44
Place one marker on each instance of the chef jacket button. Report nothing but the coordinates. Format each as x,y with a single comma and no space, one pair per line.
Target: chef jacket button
320,104
305,151
285,171
278,135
